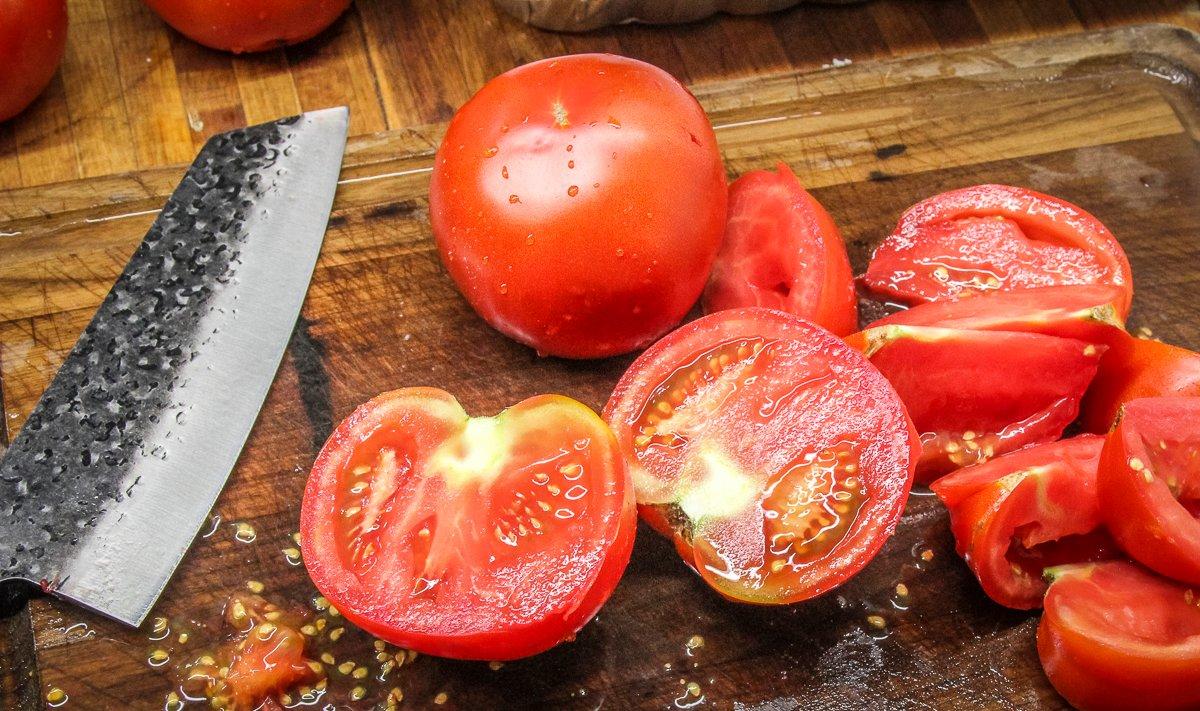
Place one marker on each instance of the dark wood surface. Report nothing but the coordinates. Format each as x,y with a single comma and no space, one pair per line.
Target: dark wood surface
1105,120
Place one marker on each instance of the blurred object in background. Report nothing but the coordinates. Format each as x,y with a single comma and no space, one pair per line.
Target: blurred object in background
582,15
33,35
248,25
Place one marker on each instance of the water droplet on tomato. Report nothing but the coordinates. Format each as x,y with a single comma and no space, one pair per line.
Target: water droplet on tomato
491,152
573,190
503,288
571,164
529,239
514,199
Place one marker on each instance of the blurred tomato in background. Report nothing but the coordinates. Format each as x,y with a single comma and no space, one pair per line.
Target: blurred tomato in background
249,25
33,36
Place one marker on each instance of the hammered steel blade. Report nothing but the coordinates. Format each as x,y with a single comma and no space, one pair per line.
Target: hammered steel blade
117,467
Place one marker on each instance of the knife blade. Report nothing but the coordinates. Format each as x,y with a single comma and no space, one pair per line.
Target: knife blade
113,473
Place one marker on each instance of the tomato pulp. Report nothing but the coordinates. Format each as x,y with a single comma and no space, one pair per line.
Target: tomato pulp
776,458
248,25
578,203
1115,637
477,538
783,251
1138,368
1150,484
33,37
995,237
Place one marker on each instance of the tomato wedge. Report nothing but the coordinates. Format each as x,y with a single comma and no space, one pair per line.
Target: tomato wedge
1149,484
1136,368
975,394
1087,312
783,251
1026,511
995,237
1116,637
476,538
775,456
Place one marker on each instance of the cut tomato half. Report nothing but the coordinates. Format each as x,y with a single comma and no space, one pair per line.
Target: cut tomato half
1137,368
975,394
1026,511
1116,637
992,238
477,538
783,251
1150,484
777,458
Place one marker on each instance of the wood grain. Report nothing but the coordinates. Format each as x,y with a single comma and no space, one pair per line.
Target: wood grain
381,314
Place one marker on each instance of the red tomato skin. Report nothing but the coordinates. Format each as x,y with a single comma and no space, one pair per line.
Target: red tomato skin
1097,672
578,203
1138,368
772,210
1139,506
532,637
240,26
1037,216
33,37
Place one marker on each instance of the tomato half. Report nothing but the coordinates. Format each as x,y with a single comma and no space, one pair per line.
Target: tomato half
1136,368
976,394
476,538
33,37
248,25
578,203
995,237
783,251
1115,637
1022,512
775,456
1150,484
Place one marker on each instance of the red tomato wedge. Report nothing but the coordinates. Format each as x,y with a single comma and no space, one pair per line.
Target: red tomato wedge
995,237
1020,513
1136,368
1087,312
975,394
476,538
1149,484
775,456
783,251
1115,637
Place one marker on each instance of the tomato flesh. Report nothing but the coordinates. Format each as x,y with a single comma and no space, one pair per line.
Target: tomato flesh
478,538
1020,513
249,25
33,37
1116,637
971,394
775,457
782,251
1138,368
1150,484
995,237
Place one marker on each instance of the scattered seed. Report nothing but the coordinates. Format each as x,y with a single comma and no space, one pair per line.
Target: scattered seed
183,637
159,656
336,633
320,623
308,630
265,630
254,586
927,555
1136,464
358,693
361,673
495,666
328,658
695,642
56,695
877,622
346,667
693,688
320,603
902,590
441,698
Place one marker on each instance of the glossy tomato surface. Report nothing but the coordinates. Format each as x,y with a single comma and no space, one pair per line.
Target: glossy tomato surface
578,203
33,36
776,458
1150,484
995,237
782,251
976,394
248,25
477,538
1023,512
1137,368
1116,637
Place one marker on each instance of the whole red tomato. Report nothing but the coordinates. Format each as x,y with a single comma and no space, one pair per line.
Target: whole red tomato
249,25
579,202
33,35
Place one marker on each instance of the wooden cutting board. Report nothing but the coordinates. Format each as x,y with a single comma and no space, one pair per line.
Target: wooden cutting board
1107,120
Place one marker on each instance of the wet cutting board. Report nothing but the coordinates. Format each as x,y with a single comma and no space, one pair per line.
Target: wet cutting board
1107,120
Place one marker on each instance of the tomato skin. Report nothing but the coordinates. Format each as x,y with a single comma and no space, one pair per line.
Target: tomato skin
1137,368
979,239
578,203
1021,512
438,441
1115,637
776,239
33,37
248,25
1149,484
711,481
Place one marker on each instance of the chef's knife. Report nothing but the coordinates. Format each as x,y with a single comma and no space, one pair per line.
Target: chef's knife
118,465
